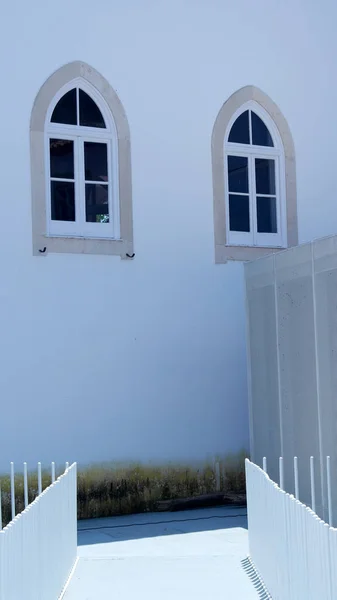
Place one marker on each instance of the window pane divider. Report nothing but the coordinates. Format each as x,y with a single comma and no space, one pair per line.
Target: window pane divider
77,106
250,127
94,182
245,149
60,130
80,191
266,195
252,194
238,193
62,179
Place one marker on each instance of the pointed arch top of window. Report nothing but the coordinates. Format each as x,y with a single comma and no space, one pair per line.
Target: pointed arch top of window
249,128
76,107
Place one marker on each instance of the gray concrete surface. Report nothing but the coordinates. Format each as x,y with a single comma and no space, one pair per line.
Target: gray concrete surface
193,554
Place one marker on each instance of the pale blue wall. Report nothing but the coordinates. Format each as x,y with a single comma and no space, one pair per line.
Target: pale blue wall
109,359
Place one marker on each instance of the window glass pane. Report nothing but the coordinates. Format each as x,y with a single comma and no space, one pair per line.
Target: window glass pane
97,203
266,215
238,213
265,176
240,130
96,161
261,135
90,115
62,158
237,173
62,201
65,110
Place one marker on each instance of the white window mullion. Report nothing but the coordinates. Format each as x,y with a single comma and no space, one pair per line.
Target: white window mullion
110,199
250,127
80,189
48,184
114,212
252,198
78,105
279,206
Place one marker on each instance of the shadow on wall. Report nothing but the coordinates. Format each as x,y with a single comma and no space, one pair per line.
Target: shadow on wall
110,489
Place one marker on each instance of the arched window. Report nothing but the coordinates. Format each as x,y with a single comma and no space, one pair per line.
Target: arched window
254,177
254,180
86,203
81,147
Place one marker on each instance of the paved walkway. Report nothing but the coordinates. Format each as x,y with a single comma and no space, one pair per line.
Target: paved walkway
194,554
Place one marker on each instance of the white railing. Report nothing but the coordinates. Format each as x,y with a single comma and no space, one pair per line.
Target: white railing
38,491
312,481
291,548
38,547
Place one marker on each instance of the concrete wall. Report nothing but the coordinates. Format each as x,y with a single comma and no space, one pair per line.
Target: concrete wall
103,359
292,326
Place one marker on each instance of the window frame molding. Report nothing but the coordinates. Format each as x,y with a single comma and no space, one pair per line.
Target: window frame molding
117,130
79,135
244,98
251,152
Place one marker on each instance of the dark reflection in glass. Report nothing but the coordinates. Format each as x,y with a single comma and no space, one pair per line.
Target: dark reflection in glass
96,203
65,110
90,115
95,161
265,176
62,201
260,133
61,158
237,173
266,215
238,212
239,132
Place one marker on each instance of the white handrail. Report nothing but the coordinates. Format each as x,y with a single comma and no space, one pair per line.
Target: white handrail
38,547
292,549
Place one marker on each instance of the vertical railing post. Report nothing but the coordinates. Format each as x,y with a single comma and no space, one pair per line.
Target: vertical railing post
297,494
264,463
25,484
52,472
67,465
39,479
281,473
312,481
328,480
12,490
318,378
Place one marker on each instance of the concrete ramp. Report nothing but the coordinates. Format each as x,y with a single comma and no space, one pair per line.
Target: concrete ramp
194,554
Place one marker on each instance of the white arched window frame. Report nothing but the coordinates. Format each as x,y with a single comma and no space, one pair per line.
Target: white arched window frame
79,135
274,153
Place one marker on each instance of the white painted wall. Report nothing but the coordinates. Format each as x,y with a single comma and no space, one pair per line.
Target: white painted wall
292,328
146,359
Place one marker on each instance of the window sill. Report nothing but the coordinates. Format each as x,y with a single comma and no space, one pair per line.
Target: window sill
51,236
224,253
77,245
